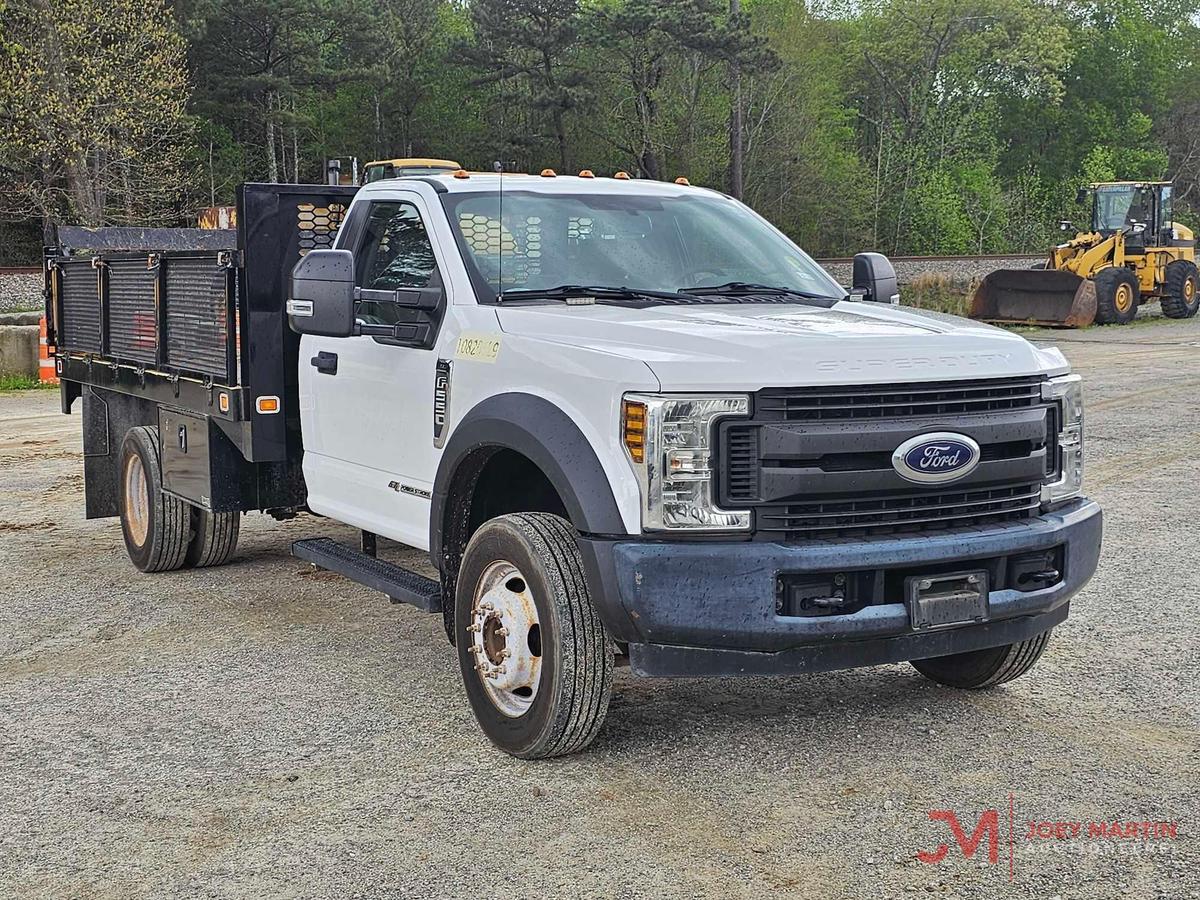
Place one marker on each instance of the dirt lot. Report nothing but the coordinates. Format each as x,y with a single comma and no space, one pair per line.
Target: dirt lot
262,730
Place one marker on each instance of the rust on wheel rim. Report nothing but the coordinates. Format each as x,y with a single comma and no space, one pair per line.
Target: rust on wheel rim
137,500
505,637
1124,298
1189,290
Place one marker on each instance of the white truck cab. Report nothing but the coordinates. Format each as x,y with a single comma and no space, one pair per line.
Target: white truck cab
633,423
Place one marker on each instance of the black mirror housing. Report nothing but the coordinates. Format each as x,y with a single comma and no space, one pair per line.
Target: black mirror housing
1081,195
321,298
875,278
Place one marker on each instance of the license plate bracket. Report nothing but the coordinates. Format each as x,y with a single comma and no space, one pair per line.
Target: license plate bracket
943,601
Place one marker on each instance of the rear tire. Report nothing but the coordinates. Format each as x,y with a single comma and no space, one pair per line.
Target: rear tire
984,668
535,659
214,537
1117,296
1181,299
156,526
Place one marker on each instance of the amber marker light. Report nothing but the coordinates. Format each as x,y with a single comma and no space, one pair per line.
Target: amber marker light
633,428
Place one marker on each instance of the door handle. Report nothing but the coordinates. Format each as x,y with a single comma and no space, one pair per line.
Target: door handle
325,362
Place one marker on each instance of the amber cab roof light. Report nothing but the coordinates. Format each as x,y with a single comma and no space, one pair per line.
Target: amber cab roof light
621,176
549,173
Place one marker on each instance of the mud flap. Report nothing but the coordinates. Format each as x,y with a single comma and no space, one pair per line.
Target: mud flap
1036,297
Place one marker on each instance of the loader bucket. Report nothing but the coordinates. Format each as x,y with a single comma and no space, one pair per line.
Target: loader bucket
1036,297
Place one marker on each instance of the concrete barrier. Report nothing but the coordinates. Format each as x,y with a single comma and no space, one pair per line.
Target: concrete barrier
19,350
20,318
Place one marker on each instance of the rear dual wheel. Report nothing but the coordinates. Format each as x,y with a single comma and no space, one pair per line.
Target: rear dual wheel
161,532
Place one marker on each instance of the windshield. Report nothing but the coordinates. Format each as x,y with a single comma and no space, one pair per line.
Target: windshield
632,241
1119,206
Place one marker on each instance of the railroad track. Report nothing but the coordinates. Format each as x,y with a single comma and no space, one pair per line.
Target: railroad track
977,257
846,260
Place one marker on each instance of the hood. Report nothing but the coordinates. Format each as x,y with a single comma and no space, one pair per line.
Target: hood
708,347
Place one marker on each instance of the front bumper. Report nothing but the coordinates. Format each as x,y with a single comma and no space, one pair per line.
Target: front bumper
709,608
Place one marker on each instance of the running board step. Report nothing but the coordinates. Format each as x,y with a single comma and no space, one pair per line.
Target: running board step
401,585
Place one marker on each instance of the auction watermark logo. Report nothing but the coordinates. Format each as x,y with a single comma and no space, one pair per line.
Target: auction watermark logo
1119,835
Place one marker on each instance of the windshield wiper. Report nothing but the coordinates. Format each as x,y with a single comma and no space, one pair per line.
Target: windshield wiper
598,291
742,288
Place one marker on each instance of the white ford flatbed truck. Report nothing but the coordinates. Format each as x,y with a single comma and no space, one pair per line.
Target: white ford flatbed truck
631,422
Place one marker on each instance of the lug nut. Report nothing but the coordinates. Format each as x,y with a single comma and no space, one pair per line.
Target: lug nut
502,631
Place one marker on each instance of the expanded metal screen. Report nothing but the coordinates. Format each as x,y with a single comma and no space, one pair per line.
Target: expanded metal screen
169,310
132,329
197,309
80,294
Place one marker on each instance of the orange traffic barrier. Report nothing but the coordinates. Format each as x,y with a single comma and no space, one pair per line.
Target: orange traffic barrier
45,358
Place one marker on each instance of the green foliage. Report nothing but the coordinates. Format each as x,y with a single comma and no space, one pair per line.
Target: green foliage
10,383
92,120
910,126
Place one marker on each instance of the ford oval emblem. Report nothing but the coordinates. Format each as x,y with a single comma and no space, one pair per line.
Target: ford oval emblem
936,457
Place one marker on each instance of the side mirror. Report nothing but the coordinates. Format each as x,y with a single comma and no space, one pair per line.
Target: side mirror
321,299
875,278
1081,195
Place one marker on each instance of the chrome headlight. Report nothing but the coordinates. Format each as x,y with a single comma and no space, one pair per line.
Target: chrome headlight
1067,482
668,439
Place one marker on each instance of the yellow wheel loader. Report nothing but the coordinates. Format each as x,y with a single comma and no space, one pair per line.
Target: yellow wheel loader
1134,252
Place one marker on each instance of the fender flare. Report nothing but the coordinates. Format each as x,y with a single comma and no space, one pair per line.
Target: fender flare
548,437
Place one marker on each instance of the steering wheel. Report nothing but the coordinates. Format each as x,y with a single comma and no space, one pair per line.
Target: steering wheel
707,276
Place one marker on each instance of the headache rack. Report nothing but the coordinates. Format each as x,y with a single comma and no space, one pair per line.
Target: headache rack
192,318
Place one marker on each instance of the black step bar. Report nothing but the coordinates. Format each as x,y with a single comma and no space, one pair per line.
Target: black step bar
400,585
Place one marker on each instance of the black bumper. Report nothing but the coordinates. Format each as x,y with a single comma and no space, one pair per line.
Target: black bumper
709,608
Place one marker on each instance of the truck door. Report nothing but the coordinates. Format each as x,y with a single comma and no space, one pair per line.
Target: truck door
367,402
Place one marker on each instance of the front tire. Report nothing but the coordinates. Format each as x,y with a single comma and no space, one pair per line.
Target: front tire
536,662
1182,284
156,526
1117,296
984,668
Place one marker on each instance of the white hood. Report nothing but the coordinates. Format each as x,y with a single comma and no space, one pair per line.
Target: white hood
711,347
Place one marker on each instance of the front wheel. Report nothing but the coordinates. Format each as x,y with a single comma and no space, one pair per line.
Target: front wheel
984,668
536,662
1117,296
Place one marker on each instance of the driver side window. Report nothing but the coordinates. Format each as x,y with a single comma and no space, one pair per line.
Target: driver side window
395,253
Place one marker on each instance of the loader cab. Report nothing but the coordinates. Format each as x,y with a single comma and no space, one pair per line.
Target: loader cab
379,169
1142,210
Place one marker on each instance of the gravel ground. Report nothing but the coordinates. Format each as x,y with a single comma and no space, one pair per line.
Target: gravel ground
264,730
20,292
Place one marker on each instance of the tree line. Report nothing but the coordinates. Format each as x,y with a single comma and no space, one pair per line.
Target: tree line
910,126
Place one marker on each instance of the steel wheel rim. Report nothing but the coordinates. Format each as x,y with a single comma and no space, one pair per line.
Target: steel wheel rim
505,637
137,500
1124,297
1189,290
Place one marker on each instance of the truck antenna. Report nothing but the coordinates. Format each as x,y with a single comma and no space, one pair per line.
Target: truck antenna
498,166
